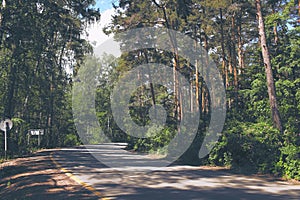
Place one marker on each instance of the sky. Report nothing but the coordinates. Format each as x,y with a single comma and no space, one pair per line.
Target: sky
104,4
96,35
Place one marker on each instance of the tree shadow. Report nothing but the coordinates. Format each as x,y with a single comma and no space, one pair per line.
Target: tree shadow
37,178
174,182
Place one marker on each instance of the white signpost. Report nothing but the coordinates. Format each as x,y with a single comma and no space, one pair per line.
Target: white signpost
37,132
5,126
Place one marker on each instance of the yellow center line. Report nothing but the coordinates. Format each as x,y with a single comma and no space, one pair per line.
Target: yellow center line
77,180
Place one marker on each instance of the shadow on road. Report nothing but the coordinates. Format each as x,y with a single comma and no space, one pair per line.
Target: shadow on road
37,178
175,182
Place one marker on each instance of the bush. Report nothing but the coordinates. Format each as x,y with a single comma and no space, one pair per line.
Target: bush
71,140
155,144
289,163
254,147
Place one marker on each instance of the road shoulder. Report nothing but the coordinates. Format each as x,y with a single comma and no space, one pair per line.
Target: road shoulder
37,177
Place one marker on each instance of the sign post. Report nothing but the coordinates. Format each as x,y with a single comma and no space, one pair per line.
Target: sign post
37,132
5,126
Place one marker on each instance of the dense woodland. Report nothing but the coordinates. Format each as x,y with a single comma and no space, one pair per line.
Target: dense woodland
254,43
40,42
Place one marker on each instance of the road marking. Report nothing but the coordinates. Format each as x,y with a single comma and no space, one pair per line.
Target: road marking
77,180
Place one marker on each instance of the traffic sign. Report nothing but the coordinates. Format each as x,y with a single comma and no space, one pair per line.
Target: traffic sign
36,132
4,126
4,123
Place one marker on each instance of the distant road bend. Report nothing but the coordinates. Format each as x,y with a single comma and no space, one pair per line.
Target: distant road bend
176,182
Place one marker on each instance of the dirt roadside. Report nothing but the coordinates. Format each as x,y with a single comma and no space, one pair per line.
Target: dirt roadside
36,178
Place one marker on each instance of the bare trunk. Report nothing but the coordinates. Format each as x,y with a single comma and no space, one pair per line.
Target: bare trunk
197,81
276,38
50,114
172,37
240,47
203,97
176,89
3,5
150,80
233,59
299,10
268,68
229,73
176,83
224,67
191,95
172,25
205,102
12,82
275,34
9,108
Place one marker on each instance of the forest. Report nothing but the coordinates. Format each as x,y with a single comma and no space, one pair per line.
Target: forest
254,44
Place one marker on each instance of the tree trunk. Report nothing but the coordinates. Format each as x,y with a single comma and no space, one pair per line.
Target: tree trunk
276,38
299,10
191,94
224,67
12,79
268,68
233,58
2,6
240,46
170,25
150,80
205,101
197,79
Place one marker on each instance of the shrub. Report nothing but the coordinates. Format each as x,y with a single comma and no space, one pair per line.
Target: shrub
71,140
289,163
254,147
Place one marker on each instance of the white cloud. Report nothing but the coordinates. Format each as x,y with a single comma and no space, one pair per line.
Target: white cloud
95,31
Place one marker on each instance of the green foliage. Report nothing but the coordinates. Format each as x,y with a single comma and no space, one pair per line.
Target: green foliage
289,163
252,147
40,44
39,41
156,142
229,33
71,140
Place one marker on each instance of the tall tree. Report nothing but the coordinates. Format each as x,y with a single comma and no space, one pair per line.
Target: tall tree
268,68
40,41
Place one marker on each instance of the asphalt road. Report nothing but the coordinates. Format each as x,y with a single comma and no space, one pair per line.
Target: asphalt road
176,182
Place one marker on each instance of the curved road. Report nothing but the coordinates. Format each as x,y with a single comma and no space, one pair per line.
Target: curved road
177,182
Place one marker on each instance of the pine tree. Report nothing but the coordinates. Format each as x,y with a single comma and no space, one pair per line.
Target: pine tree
269,73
